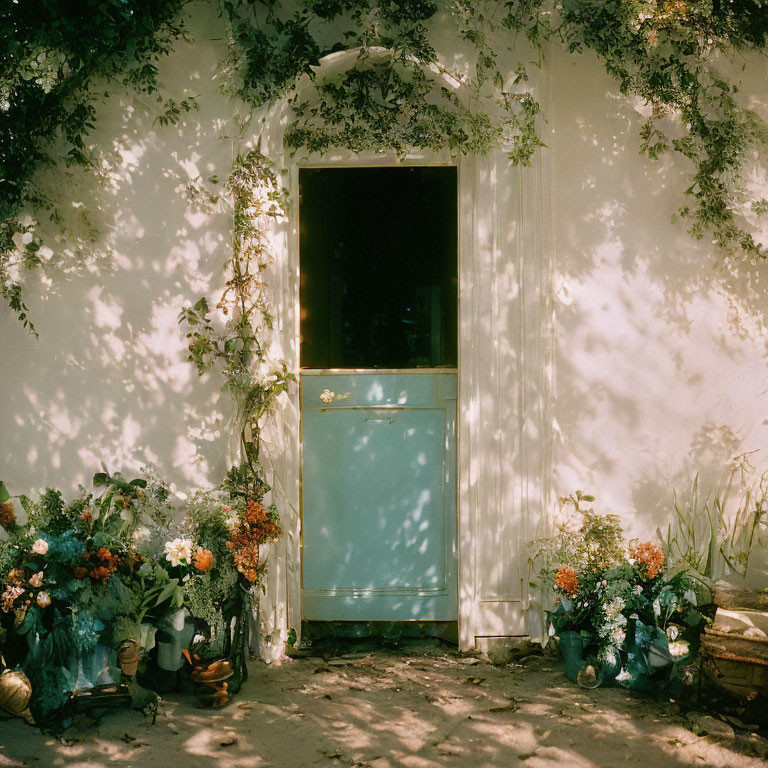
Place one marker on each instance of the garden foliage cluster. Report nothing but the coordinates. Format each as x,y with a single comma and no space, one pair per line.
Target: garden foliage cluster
625,615
397,97
79,578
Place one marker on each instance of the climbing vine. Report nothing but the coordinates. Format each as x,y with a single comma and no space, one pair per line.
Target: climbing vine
238,346
672,54
398,96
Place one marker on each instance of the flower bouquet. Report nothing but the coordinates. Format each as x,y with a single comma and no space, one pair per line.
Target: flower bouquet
112,587
622,617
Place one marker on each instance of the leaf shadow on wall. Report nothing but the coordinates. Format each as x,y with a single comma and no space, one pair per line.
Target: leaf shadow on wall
660,349
108,379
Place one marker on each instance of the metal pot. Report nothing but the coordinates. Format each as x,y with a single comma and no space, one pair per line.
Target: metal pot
16,693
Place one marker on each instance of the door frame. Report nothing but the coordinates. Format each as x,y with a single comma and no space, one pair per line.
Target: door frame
505,430
384,161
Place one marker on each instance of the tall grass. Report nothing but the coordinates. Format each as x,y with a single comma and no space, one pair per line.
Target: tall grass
716,536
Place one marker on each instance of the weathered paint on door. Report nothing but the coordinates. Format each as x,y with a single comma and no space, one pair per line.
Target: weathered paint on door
379,496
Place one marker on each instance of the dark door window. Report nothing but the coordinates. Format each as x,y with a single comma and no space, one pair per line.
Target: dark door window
379,262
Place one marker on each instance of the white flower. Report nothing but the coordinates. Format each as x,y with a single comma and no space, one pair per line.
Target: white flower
638,590
657,607
142,533
623,676
40,547
618,635
551,630
327,396
178,550
614,608
672,632
37,579
678,649
43,599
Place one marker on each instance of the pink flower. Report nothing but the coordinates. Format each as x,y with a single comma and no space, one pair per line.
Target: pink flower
40,547
37,579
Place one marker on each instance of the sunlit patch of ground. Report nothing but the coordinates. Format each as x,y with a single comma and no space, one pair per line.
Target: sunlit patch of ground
421,709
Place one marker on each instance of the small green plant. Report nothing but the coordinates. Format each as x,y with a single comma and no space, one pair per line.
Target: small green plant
717,535
583,540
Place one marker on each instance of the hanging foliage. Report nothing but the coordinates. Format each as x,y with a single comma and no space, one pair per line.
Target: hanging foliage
398,95
57,60
671,54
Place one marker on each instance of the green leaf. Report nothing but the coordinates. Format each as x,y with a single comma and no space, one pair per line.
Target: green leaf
100,478
169,589
694,618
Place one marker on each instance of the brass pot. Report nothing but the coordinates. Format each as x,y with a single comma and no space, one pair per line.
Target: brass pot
15,693
128,655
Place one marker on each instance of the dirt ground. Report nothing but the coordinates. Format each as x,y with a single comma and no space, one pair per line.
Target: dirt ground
418,708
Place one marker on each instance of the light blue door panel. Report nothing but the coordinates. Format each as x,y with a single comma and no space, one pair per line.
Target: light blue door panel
379,496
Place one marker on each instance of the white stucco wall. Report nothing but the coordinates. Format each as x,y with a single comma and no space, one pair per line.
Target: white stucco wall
659,364
660,355
107,380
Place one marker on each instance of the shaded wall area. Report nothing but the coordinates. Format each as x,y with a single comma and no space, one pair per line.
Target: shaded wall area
660,352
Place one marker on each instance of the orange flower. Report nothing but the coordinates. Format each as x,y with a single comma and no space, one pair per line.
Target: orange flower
80,573
7,515
101,573
648,555
566,580
203,559
255,526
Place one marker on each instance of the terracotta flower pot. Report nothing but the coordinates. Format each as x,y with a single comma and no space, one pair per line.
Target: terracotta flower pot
212,695
128,655
214,672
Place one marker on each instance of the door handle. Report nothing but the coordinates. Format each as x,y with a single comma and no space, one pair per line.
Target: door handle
328,397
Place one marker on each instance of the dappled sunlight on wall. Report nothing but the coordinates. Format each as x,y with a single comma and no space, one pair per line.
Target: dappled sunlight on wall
108,381
661,353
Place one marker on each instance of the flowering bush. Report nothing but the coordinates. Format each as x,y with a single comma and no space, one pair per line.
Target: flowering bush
78,579
624,613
